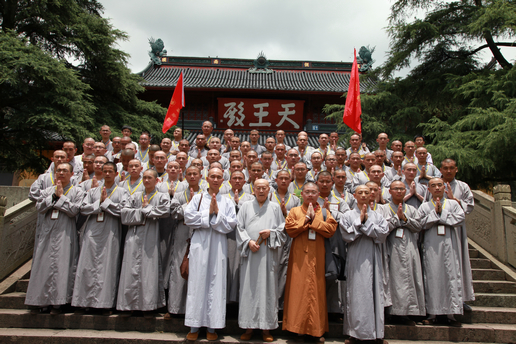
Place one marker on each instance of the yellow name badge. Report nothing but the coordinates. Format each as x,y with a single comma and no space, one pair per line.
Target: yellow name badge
100,217
441,230
399,233
311,234
55,214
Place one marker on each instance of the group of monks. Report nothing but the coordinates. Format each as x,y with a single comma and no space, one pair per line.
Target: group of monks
140,226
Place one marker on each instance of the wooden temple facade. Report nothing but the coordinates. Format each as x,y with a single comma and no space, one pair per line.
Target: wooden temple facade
245,94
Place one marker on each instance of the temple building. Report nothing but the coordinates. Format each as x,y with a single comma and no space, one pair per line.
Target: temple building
245,94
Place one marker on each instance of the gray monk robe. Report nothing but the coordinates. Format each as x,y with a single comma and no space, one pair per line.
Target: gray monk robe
141,276
56,248
462,192
442,259
404,262
44,181
96,280
258,270
233,286
133,188
177,285
167,228
335,291
206,296
291,201
364,316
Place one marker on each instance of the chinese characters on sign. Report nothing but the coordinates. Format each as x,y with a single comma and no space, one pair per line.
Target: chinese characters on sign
243,113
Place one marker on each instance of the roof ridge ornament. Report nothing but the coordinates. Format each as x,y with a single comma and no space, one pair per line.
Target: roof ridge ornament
157,53
261,65
364,58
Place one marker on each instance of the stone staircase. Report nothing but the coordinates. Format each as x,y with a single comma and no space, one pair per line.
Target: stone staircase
493,319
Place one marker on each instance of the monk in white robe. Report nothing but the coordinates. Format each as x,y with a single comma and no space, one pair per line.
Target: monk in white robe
404,262
141,277
96,280
56,247
259,220
212,216
364,230
442,259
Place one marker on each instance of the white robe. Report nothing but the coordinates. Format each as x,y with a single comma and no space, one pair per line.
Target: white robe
141,277
206,296
258,306
442,258
364,317
96,280
56,248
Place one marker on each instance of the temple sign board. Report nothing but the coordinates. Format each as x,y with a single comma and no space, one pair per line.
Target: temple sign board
246,113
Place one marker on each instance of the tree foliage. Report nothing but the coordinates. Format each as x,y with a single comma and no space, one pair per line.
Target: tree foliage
464,106
62,73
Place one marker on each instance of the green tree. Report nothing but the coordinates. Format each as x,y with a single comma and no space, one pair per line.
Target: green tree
464,106
61,73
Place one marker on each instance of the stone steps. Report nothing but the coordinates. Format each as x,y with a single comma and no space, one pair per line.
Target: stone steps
15,300
486,333
32,336
21,285
480,263
488,275
503,287
490,318
494,300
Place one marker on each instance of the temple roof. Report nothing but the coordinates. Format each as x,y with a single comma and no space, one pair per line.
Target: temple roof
218,73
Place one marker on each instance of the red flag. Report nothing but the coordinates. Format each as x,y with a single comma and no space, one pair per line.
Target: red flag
353,109
176,104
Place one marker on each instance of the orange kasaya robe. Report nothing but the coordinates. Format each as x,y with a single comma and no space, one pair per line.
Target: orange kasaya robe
305,310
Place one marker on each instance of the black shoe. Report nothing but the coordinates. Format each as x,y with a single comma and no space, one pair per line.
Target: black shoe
467,308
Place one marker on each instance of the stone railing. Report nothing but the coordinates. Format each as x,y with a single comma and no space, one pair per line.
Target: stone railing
17,228
492,224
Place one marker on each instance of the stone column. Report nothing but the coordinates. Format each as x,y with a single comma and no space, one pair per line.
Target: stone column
502,196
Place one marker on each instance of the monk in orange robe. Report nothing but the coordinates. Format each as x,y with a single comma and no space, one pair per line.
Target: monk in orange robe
305,310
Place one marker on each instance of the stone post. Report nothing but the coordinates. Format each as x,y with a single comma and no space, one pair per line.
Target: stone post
502,196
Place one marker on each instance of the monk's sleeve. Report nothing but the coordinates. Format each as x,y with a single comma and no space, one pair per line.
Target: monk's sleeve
242,237
325,228
131,214
277,236
112,208
452,214
413,220
89,205
225,220
197,219
349,225
71,206
175,208
294,223
428,216
159,210
467,201
375,227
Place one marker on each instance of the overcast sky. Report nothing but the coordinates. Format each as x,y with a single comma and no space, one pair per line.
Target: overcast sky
284,29
323,30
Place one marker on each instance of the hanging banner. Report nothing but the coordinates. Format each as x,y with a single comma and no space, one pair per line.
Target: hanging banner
274,114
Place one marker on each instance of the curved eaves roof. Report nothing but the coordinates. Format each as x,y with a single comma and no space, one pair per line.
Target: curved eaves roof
279,80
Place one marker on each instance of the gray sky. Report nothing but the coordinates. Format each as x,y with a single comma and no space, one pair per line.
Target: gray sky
324,30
